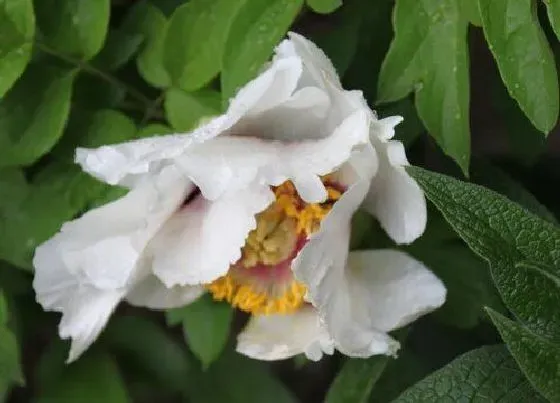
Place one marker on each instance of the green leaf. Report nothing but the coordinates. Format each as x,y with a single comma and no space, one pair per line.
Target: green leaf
470,8
185,110
146,345
524,58
553,8
94,378
95,129
498,180
33,114
206,325
241,380
29,219
73,27
538,358
324,6
154,129
17,27
10,370
356,379
149,21
429,55
258,27
522,248
119,48
488,374
190,61
468,282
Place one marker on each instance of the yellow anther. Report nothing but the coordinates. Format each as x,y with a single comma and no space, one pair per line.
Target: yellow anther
274,241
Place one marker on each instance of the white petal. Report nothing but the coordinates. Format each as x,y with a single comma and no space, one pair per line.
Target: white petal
85,269
85,317
271,88
321,267
200,242
316,63
153,294
394,197
277,337
231,163
125,163
301,117
384,129
391,288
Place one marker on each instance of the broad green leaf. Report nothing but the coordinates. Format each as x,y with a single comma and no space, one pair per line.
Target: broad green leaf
185,110
242,380
206,325
488,374
471,10
33,114
10,370
119,48
90,92
553,8
429,56
56,195
498,180
538,358
324,6
146,345
92,379
258,27
148,20
154,129
17,27
356,379
73,27
524,58
95,129
190,61
467,279
523,250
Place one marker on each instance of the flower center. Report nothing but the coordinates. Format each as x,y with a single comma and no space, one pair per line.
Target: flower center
261,282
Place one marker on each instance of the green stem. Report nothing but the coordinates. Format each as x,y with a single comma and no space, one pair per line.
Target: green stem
94,71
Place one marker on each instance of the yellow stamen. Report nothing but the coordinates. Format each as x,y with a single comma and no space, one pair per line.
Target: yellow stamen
280,227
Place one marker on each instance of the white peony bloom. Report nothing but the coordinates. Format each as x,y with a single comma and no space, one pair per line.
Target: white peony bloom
253,207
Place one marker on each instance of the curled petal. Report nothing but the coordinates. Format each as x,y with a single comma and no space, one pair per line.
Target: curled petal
126,163
231,163
87,268
200,242
394,197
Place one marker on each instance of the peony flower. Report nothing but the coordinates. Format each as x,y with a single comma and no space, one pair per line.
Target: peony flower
253,207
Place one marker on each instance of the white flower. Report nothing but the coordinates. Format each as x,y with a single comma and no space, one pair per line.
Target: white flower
253,207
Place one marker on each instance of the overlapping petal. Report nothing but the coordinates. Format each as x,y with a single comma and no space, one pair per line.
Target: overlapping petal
86,269
277,337
200,242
